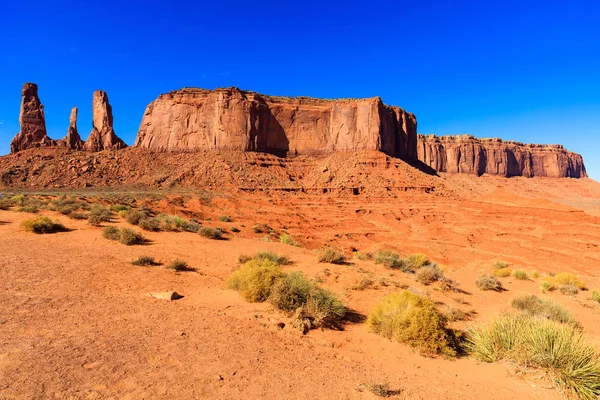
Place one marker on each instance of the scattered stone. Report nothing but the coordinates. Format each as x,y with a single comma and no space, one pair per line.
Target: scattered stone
165,295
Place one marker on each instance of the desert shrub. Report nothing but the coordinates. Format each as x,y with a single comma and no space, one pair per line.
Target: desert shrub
149,224
378,389
262,228
193,226
145,261
322,308
273,257
546,286
532,305
28,208
255,279
596,296
456,314
135,216
487,282
211,233
331,256
363,284
66,208
415,261
173,223
429,274
102,213
502,272
120,208
569,290
179,266
413,320
126,236
563,278
288,239
5,204
559,349
535,274
235,229
500,265
224,218
42,224
291,291
94,220
520,274
18,200
359,255
388,258
78,215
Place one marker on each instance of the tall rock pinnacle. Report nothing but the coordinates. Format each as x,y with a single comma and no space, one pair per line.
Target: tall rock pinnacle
33,123
73,140
103,136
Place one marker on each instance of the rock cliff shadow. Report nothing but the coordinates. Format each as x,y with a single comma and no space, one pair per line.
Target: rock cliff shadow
272,139
421,166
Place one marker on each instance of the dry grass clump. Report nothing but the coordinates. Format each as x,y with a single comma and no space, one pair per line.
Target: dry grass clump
149,224
414,262
29,208
145,261
359,255
211,233
224,218
135,216
332,256
127,236
487,282
388,258
550,283
502,272
42,224
255,279
429,274
453,314
265,255
172,223
596,296
413,320
569,290
533,306
5,204
500,265
288,239
100,213
520,274
558,349
78,215
179,266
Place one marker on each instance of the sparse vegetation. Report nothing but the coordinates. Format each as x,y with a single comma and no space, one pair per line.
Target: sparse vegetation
265,255
363,256
100,213
535,274
5,204
126,236
520,274
262,228
559,349
211,233
542,308
502,272
255,279
378,389
388,258
135,216
332,256
563,278
179,266
596,296
42,224
414,320
569,290
500,265
78,215
429,274
364,284
145,261
288,239
94,220
224,218
235,229
456,314
29,208
149,224
487,282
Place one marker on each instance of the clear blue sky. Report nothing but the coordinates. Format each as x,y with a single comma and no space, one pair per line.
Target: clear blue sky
521,70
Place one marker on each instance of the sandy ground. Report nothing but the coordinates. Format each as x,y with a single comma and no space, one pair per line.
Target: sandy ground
75,321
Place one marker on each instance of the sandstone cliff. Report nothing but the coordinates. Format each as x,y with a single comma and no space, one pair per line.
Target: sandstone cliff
469,155
103,136
32,120
232,119
72,140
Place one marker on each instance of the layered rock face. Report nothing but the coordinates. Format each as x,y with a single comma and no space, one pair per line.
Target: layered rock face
469,155
103,136
32,120
73,140
232,119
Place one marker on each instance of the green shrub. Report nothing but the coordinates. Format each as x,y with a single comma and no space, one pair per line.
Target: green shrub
546,286
145,261
18,200
120,207
291,291
211,233
331,256
179,266
363,256
414,261
388,258
255,279
429,274
149,224
322,308
126,236
173,223
502,272
42,224
487,282
224,218
135,216
28,208
560,350
413,320
534,306
288,239
596,296
520,274
500,265
101,213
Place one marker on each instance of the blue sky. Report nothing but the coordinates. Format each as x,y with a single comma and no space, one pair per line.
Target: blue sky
520,70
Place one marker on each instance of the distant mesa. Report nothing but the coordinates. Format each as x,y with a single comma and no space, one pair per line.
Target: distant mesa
192,119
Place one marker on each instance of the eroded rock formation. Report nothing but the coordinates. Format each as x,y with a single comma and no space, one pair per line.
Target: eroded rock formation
469,155
73,140
33,123
232,119
103,136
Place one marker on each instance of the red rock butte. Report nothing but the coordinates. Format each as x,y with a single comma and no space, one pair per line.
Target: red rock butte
193,120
